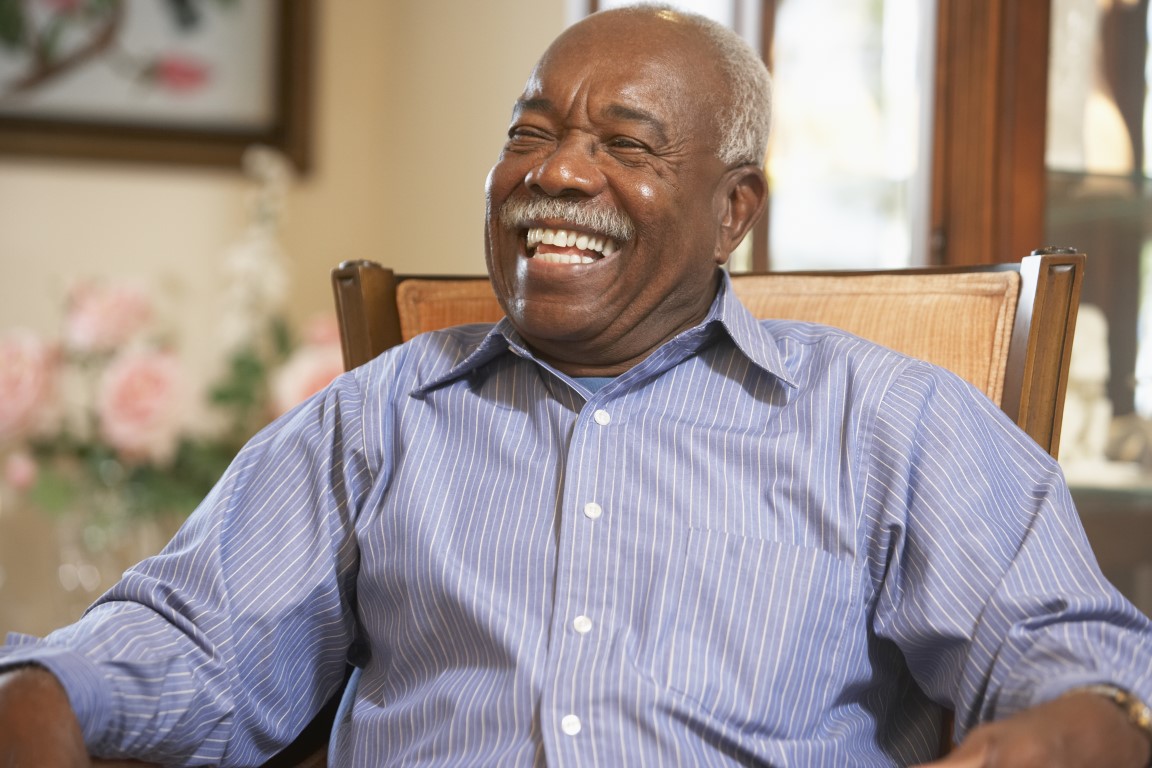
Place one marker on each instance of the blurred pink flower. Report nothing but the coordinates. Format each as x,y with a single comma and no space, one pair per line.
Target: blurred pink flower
28,368
308,370
20,471
179,74
322,330
102,317
137,405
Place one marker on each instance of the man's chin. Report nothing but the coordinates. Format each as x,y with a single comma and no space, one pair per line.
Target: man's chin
555,322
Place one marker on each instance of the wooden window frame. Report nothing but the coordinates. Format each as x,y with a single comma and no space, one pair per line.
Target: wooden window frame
989,126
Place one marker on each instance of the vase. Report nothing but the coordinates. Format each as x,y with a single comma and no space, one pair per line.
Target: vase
53,566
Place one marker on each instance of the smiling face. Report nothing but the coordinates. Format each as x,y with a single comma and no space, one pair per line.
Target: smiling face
609,209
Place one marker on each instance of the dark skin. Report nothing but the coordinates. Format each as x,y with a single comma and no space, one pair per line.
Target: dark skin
608,119
1078,729
37,725
620,114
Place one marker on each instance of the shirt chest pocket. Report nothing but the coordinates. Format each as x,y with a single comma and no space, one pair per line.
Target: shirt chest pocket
754,631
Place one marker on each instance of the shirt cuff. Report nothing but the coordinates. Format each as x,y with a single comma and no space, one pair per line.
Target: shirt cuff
1011,702
88,692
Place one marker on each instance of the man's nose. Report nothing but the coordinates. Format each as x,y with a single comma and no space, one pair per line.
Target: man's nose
572,169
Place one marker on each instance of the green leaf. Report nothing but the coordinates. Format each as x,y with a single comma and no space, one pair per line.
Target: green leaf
282,340
55,492
13,24
49,40
246,374
180,488
95,10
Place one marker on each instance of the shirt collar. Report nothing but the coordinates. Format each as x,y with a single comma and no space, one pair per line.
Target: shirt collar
749,334
726,315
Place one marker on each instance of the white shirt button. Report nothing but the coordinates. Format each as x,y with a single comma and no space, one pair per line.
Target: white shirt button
602,417
592,510
570,725
582,624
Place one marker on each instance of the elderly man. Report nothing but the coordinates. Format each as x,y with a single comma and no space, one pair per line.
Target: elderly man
629,524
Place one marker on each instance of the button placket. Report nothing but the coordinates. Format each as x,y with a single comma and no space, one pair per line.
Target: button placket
583,545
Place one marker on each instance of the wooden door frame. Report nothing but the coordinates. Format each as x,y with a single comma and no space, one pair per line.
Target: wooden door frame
989,129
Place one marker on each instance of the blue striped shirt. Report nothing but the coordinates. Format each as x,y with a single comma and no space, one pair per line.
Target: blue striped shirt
769,543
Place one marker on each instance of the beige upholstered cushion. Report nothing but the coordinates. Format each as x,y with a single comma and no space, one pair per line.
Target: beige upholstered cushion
961,321
429,305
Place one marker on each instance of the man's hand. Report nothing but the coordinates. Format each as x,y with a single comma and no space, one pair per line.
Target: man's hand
38,728
1073,731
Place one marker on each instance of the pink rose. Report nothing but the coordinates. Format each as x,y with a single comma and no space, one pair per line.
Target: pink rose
308,370
137,405
20,471
28,371
102,317
179,74
322,330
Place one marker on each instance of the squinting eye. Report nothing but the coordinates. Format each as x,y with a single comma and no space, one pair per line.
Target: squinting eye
520,132
622,142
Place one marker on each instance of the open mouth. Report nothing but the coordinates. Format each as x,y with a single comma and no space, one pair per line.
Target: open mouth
565,246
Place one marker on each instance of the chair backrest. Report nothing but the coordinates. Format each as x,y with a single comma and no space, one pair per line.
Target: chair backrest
1006,328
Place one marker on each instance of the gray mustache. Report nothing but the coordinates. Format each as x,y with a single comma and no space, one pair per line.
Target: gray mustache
606,221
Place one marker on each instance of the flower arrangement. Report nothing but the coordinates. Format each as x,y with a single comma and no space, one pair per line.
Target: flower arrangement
98,420
93,418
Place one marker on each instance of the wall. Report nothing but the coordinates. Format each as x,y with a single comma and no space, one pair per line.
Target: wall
412,101
403,158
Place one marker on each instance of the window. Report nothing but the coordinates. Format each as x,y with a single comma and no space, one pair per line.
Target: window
849,157
1099,198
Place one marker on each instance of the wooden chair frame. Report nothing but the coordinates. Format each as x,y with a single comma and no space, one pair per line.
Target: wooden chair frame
1036,376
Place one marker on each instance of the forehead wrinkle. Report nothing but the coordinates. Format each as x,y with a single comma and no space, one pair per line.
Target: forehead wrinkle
622,112
534,104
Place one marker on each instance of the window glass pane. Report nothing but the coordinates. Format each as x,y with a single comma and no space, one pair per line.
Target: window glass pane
849,154
1099,197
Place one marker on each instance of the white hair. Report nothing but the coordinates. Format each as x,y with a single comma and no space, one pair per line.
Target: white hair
745,120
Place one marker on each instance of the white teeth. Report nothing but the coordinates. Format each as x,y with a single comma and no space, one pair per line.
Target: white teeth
565,239
564,258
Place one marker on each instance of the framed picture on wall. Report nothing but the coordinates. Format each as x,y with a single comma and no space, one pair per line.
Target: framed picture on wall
167,81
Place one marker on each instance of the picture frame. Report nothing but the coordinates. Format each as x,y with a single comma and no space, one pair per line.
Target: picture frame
151,128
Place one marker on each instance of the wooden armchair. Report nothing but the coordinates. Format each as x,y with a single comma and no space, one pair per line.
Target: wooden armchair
1006,328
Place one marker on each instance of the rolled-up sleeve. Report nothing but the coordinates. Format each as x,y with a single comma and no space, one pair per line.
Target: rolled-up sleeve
989,585
219,649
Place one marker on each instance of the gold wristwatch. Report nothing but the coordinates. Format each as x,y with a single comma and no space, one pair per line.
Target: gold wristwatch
1139,713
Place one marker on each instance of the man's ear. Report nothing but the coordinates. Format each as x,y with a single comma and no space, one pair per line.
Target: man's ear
741,198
